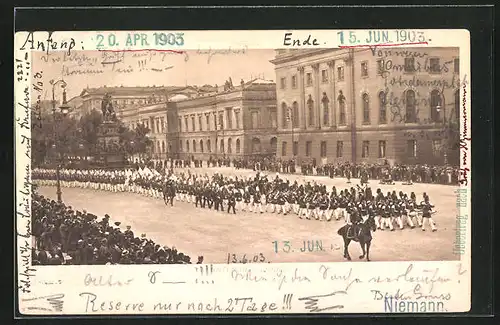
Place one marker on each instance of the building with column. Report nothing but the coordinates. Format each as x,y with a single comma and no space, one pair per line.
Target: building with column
126,97
236,122
153,115
368,105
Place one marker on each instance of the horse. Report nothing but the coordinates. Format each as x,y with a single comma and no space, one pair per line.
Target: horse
361,233
168,194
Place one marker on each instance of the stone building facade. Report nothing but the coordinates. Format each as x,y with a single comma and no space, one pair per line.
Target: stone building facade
237,122
368,105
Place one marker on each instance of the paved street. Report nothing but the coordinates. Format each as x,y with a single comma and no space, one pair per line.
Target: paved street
214,235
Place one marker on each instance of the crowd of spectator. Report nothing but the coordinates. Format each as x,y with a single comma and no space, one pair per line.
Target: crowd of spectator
63,235
398,172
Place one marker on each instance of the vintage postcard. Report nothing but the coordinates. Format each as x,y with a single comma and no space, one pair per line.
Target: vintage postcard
243,172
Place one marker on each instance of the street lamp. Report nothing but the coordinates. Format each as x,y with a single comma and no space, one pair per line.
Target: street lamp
64,109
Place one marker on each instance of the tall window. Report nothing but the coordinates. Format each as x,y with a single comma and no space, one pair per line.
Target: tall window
310,109
216,127
163,125
308,148
295,148
194,145
193,124
456,66
380,66
324,76
435,105
341,100
229,118
230,145
412,148
366,108
186,124
381,149
207,120
187,145
163,147
323,149
294,81
201,146
340,73
284,116
238,146
340,149
180,146
180,124
283,82
411,110
237,119
222,149
366,149
364,69
410,65
209,145
200,123
221,121
434,66
326,110
255,120
309,79
283,148
382,107
457,105
273,116
295,114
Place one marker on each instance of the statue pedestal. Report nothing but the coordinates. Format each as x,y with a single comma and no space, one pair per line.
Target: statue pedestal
108,139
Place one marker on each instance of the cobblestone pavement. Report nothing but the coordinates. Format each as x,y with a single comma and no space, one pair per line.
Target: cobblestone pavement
214,235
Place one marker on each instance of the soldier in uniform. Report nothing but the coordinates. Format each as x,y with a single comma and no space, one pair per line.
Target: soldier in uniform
231,199
427,213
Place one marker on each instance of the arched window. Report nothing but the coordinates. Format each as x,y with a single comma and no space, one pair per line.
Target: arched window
209,145
255,145
366,108
436,105
201,146
284,116
382,107
180,146
326,110
310,109
163,146
222,146
194,145
187,145
295,114
230,145
457,106
238,146
411,109
274,144
341,100
158,144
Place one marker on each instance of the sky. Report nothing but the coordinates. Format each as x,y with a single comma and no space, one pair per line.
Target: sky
196,67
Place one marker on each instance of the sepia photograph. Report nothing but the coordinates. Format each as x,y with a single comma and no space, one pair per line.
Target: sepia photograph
318,171
246,156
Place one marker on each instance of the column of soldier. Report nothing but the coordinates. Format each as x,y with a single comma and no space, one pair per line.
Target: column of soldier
259,195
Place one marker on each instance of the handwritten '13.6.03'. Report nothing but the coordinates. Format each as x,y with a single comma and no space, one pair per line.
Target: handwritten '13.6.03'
252,258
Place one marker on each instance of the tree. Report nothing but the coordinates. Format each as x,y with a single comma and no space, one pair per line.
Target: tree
88,127
141,140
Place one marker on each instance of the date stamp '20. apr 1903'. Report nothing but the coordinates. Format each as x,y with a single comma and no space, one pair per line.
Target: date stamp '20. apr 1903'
227,172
